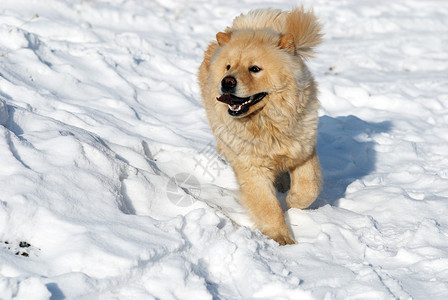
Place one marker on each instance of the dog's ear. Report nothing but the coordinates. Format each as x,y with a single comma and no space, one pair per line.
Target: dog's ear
223,37
287,42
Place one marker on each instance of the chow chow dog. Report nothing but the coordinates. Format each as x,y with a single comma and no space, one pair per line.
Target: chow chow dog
261,103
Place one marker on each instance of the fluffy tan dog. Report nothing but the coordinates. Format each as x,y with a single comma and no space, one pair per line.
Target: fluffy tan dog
260,100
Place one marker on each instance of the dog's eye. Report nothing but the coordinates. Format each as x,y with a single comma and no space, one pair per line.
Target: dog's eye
228,67
254,69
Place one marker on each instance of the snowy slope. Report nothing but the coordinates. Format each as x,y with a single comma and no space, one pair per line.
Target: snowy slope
110,186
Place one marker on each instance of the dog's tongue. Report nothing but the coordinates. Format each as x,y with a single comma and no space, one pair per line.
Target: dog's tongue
226,98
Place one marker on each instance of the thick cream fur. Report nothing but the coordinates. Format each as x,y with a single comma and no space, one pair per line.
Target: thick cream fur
278,133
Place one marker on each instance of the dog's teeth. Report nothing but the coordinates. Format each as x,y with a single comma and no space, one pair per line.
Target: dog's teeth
235,107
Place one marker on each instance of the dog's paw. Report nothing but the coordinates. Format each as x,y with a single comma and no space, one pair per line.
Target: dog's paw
281,236
284,240
300,201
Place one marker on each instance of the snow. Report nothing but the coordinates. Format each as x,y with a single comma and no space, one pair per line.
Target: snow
110,186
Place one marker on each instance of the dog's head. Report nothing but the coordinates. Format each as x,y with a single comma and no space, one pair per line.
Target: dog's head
252,67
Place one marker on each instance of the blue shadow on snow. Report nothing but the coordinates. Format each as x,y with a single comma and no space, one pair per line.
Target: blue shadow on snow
346,152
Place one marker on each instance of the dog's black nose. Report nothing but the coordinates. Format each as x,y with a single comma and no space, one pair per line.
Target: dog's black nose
228,84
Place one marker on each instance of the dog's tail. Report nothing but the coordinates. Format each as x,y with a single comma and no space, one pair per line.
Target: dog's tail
303,25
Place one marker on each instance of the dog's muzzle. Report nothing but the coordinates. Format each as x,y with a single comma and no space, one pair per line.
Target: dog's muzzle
239,106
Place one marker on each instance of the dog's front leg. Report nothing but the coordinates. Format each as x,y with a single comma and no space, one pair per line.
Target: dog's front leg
258,197
306,183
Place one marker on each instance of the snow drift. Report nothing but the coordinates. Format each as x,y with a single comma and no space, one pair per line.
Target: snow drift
110,186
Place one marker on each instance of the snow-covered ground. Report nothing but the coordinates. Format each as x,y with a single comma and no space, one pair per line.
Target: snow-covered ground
110,186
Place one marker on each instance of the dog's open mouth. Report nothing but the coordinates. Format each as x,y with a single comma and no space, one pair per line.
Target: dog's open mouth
239,106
